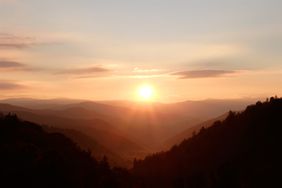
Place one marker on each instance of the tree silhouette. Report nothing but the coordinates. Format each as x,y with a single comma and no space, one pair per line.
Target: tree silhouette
241,151
30,157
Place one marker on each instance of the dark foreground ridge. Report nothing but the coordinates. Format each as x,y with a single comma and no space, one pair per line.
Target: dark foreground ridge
30,157
243,151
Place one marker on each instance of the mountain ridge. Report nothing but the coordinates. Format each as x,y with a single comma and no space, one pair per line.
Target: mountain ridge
240,151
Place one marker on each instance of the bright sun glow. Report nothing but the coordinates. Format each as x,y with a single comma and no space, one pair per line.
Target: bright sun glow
145,92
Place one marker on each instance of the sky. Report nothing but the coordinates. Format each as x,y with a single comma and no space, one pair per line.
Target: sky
106,49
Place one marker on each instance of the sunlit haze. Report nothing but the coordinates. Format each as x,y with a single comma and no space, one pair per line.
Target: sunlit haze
104,50
140,93
146,92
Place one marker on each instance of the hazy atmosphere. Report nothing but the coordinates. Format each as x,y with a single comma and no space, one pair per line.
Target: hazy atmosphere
140,94
184,50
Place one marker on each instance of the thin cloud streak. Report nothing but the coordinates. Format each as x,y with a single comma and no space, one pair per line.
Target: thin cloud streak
85,71
7,65
10,64
147,73
203,74
10,86
10,41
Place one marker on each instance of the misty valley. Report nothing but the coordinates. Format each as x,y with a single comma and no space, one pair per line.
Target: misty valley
140,93
78,143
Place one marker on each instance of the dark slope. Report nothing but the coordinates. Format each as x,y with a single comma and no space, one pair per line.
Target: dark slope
177,139
90,144
242,151
30,157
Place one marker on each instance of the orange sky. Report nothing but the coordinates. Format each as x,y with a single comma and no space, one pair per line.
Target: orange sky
107,50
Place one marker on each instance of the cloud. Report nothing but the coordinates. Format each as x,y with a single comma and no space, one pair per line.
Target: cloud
86,71
203,74
10,64
7,65
11,41
10,86
230,63
147,72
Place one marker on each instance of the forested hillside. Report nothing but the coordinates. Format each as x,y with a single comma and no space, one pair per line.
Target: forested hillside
30,157
241,151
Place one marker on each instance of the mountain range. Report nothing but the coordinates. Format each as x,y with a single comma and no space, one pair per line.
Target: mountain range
239,149
122,130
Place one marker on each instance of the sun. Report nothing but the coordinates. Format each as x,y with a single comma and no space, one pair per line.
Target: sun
145,92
